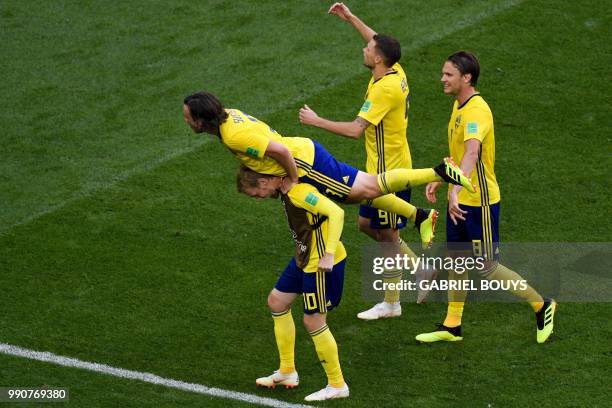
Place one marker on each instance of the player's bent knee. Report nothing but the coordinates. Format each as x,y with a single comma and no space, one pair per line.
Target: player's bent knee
371,194
363,224
277,305
371,190
388,235
488,269
314,321
366,187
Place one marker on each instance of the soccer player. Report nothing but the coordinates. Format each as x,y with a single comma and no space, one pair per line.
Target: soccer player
316,271
473,217
383,119
259,148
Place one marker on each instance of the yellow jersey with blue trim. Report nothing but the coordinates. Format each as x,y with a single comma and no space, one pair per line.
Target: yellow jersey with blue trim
316,224
248,138
386,108
474,120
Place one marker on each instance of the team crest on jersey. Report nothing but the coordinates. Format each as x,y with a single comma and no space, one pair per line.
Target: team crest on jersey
457,121
346,179
366,106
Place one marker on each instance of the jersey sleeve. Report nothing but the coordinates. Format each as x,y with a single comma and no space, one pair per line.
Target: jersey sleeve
248,142
477,124
377,104
305,196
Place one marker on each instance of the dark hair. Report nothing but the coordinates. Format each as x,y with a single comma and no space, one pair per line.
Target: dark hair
247,178
205,107
466,63
389,48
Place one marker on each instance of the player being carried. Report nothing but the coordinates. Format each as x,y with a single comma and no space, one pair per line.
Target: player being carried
298,159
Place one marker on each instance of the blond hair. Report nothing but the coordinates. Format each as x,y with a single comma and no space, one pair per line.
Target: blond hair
247,178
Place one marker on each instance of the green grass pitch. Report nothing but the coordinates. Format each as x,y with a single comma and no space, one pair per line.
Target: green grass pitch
123,241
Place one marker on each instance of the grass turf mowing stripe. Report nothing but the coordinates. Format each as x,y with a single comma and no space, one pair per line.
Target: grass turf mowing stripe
140,376
142,168
459,25
462,24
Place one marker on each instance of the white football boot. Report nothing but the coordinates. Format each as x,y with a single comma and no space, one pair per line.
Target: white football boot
329,392
381,310
276,378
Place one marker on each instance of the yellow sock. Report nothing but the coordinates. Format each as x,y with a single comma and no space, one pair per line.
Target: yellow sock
400,179
520,287
454,314
395,276
327,350
284,332
456,301
392,276
394,204
405,249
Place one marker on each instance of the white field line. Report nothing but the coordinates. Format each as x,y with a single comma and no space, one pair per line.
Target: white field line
414,45
146,377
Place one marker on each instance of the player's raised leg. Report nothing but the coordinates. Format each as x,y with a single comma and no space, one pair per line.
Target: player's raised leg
367,189
400,179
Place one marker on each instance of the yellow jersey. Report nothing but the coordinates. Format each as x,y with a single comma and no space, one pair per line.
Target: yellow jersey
386,108
248,138
474,120
316,225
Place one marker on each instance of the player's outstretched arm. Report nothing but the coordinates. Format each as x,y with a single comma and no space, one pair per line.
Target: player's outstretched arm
342,11
283,156
353,129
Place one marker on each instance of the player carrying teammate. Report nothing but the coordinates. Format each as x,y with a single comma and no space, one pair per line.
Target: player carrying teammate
316,271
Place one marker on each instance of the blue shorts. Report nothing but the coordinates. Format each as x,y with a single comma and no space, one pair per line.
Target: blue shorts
322,291
331,177
480,228
380,219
